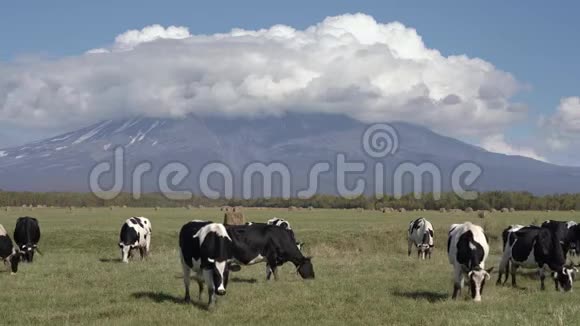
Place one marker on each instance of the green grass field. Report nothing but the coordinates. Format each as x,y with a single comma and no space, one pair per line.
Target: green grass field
363,275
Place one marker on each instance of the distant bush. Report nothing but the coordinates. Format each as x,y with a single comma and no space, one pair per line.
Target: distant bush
489,201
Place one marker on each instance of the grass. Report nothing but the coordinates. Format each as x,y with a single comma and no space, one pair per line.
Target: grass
363,275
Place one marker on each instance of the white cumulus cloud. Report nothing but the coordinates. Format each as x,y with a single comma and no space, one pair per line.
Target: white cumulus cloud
348,64
497,144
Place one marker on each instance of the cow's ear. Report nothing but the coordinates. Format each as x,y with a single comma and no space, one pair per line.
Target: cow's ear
489,270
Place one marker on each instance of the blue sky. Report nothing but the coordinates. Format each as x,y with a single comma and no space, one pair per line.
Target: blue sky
534,41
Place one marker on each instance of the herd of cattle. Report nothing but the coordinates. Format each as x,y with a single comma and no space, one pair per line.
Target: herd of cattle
211,250
542,247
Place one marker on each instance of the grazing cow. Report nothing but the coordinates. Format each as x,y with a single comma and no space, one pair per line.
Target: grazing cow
421,235
467,249
537,247
26,236
10,254
271,244
135,234
206,248
567,232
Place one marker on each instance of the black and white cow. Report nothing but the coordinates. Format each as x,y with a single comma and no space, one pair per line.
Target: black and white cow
420,234
135,234
206,248
271,244
27,236
537,247
567,232
467,249
9,254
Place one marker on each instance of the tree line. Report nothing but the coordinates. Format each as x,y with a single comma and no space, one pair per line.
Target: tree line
485,201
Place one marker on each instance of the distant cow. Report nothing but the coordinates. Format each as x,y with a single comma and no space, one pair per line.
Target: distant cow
279,222
467,249
27,236
206,248
135,234
9,254
271,244
421,235
537,247
567,232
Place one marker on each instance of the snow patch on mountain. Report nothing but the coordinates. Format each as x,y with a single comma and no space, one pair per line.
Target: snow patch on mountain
91,133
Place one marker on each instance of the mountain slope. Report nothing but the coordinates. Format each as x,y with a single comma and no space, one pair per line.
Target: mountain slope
63,163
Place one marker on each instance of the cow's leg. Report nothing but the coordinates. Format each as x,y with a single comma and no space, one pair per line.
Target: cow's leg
513,271
208,279
268,272
148,245
31,257
503,268
458,282
272,269
430,252
200,287
186,280
556,284
142,252
410,247
542,278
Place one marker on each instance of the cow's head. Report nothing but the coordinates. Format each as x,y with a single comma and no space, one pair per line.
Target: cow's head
14,259
27,251
565,277
305,268
423,249
126,251
220,271
477,278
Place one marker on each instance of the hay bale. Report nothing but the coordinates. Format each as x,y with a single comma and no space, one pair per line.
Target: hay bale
481,214
234,218
310,208
443,210
505,210
292,208
225,208
360,210
237,209
112,208
512,209
402,210
156,208
469,210
493,210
